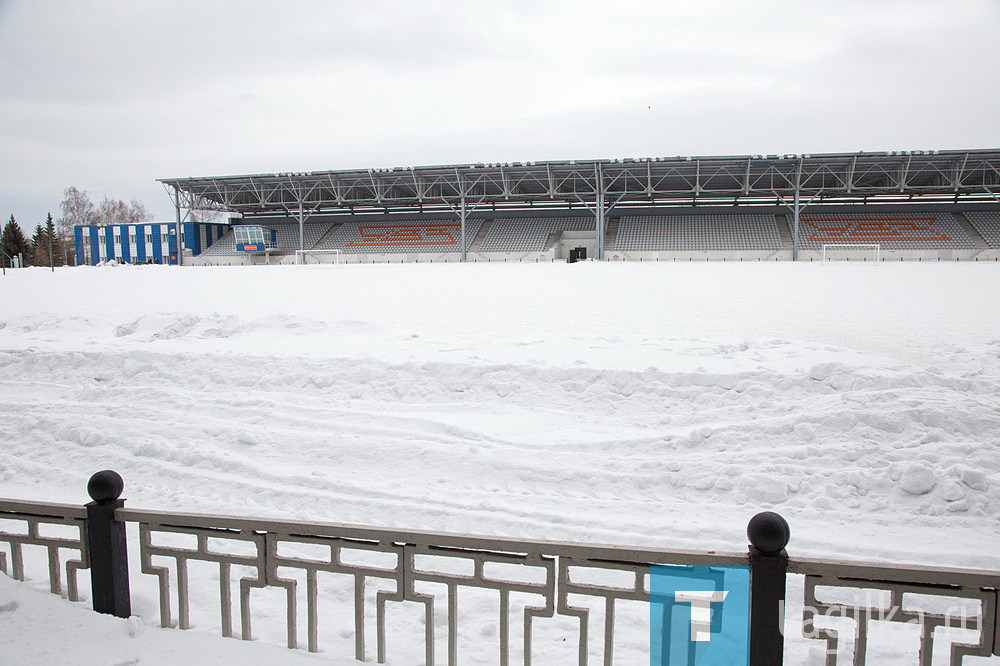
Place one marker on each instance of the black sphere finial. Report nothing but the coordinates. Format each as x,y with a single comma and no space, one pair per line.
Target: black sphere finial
105,486
768,532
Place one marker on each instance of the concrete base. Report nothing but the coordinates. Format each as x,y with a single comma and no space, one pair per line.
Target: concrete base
904,255
551,255
699,255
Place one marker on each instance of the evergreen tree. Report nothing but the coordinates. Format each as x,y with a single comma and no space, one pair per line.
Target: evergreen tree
38,243
50,251
13,242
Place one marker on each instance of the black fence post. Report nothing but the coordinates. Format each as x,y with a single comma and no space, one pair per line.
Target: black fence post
107,546
768,533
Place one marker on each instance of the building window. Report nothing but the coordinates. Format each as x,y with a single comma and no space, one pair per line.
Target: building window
245,235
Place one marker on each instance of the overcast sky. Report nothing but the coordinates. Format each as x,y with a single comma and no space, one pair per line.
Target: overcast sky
109,96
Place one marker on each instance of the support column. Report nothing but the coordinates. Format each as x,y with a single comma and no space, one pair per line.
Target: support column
180,231
302,228
462,217
795,225
600,213
795,212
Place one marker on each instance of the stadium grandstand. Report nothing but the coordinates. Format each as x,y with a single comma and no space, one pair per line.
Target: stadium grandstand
910,205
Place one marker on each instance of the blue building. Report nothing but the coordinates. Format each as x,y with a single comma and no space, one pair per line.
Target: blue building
146,243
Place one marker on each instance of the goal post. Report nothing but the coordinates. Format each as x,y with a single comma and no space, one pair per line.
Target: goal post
311,257
830,250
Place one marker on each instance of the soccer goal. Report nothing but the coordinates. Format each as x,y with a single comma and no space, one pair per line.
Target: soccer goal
845,251
303,257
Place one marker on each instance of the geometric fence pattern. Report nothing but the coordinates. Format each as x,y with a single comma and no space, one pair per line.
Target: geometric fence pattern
504,566
431,568
931,599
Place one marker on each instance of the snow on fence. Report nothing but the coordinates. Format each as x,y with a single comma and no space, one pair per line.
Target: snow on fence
279,554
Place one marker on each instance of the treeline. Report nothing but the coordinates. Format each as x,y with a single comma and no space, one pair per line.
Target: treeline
42,249
52,243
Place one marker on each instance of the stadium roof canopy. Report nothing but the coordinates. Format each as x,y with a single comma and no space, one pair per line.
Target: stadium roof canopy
943,176
600,185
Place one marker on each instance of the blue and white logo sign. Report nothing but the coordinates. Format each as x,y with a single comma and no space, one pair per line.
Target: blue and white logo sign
699,616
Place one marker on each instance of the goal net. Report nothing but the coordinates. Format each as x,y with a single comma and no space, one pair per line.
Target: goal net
851,252
303,257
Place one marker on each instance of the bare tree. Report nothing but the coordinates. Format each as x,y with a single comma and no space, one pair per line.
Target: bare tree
77,208
138,213
117,211
112,211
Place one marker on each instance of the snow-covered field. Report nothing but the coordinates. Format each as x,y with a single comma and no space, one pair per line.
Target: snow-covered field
653,404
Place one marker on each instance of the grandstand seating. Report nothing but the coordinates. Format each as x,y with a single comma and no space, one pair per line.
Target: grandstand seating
529,234
286,239
893,231
225,245
379,237
722,231
988,226
698,232
288,235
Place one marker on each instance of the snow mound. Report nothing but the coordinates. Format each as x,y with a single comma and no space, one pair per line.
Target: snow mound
74,633
918,479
